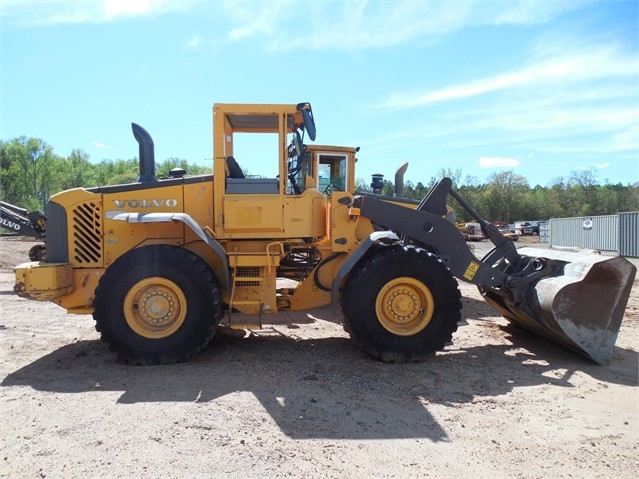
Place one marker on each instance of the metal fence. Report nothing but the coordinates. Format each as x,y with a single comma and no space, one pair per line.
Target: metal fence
629,233
607,233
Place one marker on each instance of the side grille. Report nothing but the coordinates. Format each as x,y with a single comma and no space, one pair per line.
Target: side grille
248,276
87,235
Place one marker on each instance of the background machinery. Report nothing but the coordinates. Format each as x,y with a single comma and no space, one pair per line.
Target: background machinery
19,221
161,263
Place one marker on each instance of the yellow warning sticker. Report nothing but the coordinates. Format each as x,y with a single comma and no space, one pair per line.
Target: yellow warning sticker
471,270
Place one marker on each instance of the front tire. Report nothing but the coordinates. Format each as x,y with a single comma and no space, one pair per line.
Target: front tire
401,303
157,305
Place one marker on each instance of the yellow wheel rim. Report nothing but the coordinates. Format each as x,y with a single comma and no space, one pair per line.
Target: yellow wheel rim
155,307
404,306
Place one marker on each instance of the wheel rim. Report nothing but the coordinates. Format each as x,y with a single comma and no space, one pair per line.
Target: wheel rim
155,307
404,306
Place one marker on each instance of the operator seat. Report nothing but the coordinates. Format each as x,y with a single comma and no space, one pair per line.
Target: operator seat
234,168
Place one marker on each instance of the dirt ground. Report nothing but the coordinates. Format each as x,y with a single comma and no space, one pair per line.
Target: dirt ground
299,399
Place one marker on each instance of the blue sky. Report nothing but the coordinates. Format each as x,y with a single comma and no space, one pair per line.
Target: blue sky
540,88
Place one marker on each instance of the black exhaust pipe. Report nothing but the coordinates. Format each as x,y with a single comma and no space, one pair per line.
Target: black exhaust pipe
147,155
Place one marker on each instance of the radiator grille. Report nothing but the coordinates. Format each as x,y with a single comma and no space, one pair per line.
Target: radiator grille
247,276
87,235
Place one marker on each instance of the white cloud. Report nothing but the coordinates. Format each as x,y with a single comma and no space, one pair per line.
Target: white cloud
322,24
530,13
627,139
361,24
552,123
497,162
97,144
579,100
572,66
601,166
263,19
116,8
45,12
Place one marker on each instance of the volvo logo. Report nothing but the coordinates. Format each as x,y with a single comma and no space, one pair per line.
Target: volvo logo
150,203
9,224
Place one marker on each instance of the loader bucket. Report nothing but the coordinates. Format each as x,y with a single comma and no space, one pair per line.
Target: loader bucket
579,307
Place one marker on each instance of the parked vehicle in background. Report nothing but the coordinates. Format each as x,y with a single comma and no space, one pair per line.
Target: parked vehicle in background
473,232
532,228
508,233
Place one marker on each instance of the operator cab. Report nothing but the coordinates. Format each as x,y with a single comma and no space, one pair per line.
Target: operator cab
327,168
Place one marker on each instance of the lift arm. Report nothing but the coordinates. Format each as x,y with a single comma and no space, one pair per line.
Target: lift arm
427,225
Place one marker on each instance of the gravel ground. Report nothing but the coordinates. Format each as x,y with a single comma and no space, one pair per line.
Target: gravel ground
299,399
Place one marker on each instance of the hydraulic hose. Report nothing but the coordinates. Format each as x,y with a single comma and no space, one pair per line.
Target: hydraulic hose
319,266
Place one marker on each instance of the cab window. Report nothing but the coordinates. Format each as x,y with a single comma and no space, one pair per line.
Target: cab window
332,173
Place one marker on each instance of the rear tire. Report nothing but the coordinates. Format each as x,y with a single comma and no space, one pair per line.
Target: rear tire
157,305
401,304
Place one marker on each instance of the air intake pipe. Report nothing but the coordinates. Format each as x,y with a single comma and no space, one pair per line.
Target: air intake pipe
377,183
147,155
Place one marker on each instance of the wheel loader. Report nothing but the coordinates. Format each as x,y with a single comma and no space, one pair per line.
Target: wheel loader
161,263
20,221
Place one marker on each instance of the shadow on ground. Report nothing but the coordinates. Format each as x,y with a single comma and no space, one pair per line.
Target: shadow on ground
325,388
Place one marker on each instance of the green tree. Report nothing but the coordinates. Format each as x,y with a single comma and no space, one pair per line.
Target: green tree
28,172
389,188
109,172
611,199
552,200
454,175
76,171
409,190
420,191
163,169
361,185
505,196
582,192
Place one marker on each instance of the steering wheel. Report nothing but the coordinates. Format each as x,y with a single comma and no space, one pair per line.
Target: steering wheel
330,188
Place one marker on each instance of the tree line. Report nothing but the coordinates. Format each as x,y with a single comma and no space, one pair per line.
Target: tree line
30,172
506,196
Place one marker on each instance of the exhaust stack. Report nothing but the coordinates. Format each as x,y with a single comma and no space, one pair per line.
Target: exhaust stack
399,179
147,155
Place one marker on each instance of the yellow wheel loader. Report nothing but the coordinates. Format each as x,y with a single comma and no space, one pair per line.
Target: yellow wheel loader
161,263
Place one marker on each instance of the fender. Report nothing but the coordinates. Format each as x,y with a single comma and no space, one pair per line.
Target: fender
379,237
184,218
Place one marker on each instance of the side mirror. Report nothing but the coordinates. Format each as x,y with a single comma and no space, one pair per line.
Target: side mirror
309,121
